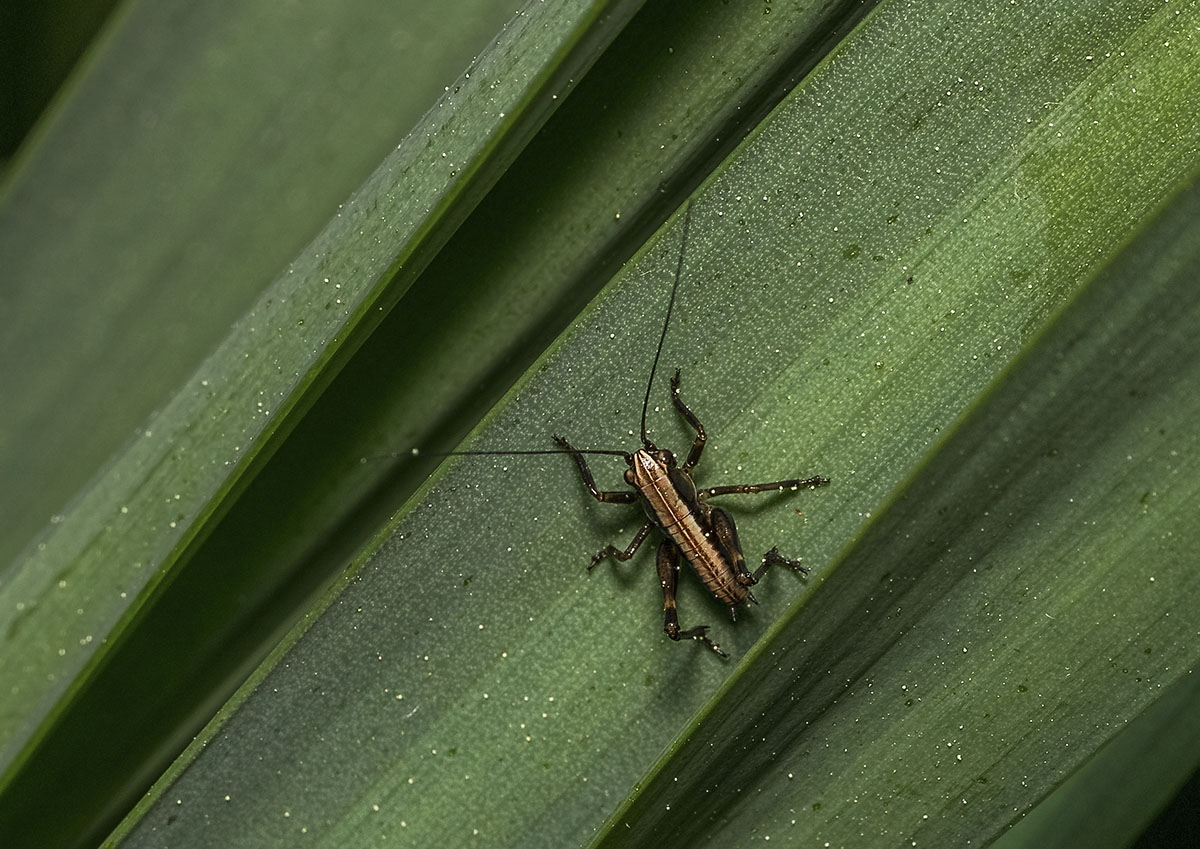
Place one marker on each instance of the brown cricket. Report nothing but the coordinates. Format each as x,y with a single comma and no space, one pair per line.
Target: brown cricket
696,531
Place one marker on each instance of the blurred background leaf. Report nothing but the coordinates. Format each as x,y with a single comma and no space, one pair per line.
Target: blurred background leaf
39,45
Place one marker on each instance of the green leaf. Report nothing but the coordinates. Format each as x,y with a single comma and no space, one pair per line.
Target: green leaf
195,156
950,274
1026,594
1119,790
133,568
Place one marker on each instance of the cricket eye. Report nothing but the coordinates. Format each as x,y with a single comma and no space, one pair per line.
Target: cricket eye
629,477
666,458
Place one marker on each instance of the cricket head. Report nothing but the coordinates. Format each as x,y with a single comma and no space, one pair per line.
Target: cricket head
648,464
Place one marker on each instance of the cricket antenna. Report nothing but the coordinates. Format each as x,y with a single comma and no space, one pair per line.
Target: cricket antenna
625,454
687,219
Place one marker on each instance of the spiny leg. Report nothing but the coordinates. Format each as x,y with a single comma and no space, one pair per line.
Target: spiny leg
772,557
613,551
616,496
751,488
668,575
701,437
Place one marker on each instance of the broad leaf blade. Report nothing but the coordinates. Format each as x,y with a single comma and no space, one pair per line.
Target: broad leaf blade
296,517
89,585
197,152
1028,592
804,345
1125,786
466,654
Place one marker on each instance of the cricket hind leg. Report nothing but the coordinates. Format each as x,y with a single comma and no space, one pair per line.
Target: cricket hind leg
668,577
726,535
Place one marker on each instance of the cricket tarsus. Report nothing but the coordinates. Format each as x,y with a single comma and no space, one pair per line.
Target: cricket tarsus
699,633
772,557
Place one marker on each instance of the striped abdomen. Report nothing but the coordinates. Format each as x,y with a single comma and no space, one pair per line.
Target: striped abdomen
684,518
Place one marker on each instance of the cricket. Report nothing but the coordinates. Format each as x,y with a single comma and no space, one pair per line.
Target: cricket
694,530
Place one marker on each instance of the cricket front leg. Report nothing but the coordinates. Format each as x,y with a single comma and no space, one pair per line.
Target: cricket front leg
616,496
701,437
668,576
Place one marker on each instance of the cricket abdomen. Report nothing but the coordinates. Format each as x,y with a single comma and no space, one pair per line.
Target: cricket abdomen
681,521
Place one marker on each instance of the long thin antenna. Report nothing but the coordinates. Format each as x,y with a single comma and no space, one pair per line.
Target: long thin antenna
687,220
624,454
417,452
